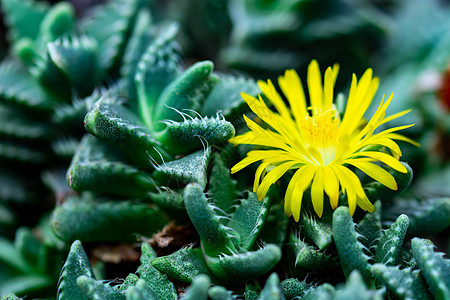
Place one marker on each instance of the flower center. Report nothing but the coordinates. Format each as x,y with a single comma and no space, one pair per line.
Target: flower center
320,135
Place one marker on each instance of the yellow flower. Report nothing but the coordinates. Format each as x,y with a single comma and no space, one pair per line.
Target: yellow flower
318,143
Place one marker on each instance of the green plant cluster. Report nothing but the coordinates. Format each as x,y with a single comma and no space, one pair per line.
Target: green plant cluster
111,136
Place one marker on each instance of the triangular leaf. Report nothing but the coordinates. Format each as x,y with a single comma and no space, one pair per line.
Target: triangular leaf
77,264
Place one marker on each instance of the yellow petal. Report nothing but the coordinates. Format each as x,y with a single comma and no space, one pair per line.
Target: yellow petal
292,88
317,192
395,116
269,90
291,188
331,186
377,173
328,88
399,137
385,142
254,156
386,159
302,185
314,81
258,174
271,177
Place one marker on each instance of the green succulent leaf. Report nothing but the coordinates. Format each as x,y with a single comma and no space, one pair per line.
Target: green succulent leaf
29,248
272,289
25,284
391,242
252,291
113,122
140,39
318,230
110,25
370,226
183,265
158,282
168,200
308,258
58,22
94,289
23,18
225,97
275,227
376,191
186,92
99,167
221,186
11,257
19,88
76,58
129,281
355,288
140,291
322,292
192,134
76,265
241,267
51,78
218,292
404,284
90,219
21,151
216,238
434,267
22,126
157,68
292,288
10,296
249,219
189,169
198,290
426,217
350,249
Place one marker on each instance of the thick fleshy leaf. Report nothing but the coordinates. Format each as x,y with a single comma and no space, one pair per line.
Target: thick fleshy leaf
23,18
110,25
116,124
225,97
433,266
188,91
157,68
221,186
317,229
94,289
198,290
242,267
193,134
76,58
189,169
183,265
249,219
408,284
140,39
140,291
350,250
90,219
77,264
158,282
19,88
99,167
391,242
216,238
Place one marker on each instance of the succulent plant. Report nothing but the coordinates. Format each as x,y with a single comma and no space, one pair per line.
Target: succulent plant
115,156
